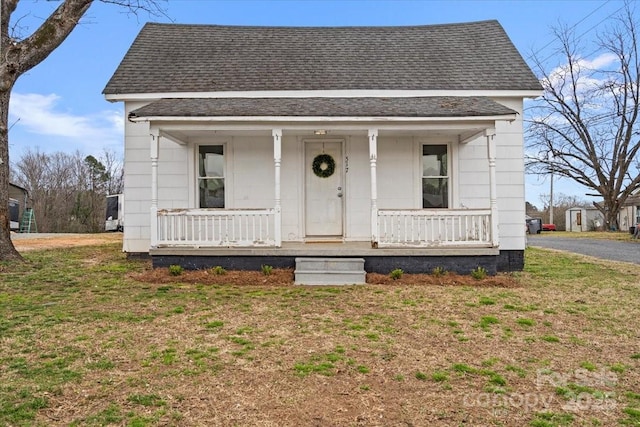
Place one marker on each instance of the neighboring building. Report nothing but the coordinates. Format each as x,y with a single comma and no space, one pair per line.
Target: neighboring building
18,198
629,216
583,219
256,145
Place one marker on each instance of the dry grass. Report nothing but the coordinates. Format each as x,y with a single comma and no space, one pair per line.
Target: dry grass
84,341
623,236
31,242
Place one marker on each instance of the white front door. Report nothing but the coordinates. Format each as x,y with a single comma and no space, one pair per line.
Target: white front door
324,189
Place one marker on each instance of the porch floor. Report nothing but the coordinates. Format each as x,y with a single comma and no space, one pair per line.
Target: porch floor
326,249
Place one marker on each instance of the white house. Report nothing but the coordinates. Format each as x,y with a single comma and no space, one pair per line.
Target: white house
256,145
629,216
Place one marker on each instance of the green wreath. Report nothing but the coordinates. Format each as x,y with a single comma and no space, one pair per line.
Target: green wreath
323,165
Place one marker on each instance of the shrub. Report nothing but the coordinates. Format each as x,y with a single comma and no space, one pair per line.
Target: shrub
396,274
218,270
439,271
479,273
266,269
175,270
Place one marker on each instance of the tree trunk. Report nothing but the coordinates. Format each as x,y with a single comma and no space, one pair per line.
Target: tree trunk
19,56
7,250
611,218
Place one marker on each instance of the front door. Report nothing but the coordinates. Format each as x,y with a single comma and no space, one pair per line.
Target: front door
324,189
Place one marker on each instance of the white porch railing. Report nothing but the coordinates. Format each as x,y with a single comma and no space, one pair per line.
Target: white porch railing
434,227
258,228
217,228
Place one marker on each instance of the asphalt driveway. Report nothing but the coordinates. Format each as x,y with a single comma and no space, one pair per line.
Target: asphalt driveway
599,248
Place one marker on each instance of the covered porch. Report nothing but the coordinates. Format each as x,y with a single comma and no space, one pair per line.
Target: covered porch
455,227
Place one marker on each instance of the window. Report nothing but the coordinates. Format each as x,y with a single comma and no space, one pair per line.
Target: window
435,176
211,176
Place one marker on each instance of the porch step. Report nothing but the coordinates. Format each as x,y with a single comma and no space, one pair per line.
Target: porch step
330,271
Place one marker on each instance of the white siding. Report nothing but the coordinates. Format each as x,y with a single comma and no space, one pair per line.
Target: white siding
397,174
510,177
473,177
173,180
137,183
253,173
250,177
291,188
358,189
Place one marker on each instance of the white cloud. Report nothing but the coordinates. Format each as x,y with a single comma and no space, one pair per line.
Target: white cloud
41,114
589,72
600,62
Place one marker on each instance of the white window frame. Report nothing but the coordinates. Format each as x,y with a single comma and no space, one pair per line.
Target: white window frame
225,153
450,171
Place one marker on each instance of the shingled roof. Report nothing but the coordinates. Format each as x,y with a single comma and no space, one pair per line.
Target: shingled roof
172,58
437,106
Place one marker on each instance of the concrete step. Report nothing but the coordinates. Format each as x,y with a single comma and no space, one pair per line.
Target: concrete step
330,271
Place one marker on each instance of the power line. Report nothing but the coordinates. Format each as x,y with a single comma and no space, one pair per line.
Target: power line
533,54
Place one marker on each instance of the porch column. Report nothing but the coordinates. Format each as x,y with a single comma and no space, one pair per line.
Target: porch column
277,159
155,149
373,160
493,192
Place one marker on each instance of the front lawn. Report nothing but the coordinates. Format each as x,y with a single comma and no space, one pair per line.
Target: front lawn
82,342
623,236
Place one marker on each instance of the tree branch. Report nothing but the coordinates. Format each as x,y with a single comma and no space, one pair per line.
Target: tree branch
53,31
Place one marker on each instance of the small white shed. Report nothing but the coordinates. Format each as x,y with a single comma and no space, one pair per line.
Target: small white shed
583,219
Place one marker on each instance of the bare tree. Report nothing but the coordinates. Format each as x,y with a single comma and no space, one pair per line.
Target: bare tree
584,127
67,191
19,55
115,169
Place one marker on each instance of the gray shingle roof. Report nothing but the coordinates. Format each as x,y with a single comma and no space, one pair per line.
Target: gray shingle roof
437,106
211,58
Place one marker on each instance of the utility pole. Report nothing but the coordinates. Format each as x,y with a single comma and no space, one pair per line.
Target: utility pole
550,158
551,200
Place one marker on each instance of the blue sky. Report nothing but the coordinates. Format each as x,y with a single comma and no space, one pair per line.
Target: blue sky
58,106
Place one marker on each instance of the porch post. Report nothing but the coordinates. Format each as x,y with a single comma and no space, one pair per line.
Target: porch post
154,151
493,193
277,159
373,159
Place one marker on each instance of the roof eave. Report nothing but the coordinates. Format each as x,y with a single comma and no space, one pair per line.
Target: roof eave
327,119
514,93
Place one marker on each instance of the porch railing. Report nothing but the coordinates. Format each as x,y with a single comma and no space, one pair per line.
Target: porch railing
434,227
217,228
252,228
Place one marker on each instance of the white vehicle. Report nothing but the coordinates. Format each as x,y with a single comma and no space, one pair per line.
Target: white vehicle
114,218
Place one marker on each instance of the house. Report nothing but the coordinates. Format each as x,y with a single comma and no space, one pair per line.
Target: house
402,146
629,216
580,219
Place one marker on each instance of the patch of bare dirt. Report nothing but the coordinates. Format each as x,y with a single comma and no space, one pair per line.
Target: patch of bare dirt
448,279
36,241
